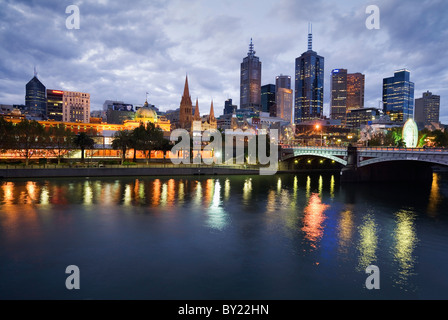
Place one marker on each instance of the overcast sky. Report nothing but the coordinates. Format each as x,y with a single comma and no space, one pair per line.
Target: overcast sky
124,49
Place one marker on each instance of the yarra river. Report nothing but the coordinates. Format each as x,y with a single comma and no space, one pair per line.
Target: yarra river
295,236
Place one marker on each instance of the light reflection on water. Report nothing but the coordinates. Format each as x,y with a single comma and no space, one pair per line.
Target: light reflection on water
312,212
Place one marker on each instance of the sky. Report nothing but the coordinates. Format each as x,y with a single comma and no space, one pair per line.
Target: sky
124,49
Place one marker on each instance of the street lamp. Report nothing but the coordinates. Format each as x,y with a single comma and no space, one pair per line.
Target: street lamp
317,128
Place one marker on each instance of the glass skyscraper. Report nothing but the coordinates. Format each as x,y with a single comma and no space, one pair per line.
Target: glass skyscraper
35,98
268,98
309,85
250,84
398,96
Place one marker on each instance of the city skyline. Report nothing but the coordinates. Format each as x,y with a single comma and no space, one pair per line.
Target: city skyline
120,54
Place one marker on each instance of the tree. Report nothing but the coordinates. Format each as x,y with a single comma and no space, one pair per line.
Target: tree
29,136
152,140
122,141
60,140
440,138
137,137
83,141
6,135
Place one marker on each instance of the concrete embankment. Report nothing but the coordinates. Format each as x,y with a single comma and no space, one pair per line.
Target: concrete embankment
117,172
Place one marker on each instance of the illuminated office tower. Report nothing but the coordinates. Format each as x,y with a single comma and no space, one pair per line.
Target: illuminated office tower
250,81
398,96
309,85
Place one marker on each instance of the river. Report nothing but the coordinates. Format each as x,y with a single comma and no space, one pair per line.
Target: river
295,236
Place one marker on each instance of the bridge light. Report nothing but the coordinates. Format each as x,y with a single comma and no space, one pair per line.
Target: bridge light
321,161
297,161
309,161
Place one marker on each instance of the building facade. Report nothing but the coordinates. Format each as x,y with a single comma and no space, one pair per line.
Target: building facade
76,107
427,109
398,96
55,104
309,85
362,116
250,81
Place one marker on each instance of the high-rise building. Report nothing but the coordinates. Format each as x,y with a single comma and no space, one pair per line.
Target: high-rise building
338,88
427,109
186,108
268,98
284,98
229,107
347,93
35,98
250,81
284,104
55,103
398,96
309,85
355,90
76,107
283,81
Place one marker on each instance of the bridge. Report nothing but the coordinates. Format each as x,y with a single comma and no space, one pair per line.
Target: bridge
372,164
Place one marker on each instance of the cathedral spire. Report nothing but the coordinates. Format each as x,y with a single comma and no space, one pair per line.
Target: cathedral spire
212,113
186,89
197,116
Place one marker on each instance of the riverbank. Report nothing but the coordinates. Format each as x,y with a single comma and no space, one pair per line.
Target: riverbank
16,172
120,171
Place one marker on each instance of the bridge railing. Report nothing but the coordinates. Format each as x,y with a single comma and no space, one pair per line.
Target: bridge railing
435,150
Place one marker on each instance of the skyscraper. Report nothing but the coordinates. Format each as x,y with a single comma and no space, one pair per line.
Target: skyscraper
427,109
355,90
283,98
347,93
309,84
229,107
35,98
398,96
268,98
338,102
250,81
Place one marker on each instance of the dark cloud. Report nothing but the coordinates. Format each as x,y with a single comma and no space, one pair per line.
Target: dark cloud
125,49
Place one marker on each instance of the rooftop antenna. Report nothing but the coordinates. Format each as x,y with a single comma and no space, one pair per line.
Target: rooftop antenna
310,36
35,71
251,48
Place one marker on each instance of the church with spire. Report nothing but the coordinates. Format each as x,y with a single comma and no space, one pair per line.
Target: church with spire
190,119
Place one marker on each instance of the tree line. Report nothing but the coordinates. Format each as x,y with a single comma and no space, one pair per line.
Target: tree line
29,138
393,138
